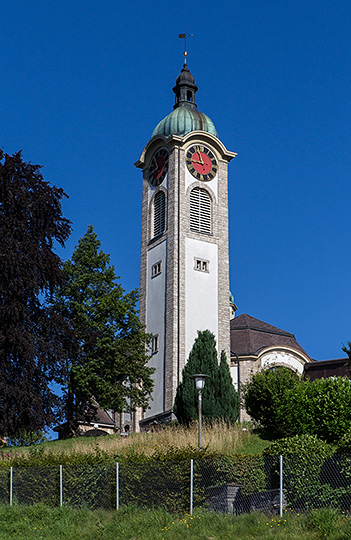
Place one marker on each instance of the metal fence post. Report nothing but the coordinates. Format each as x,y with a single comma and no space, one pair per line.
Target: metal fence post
61,487
11,484
117,486
281,486
191,485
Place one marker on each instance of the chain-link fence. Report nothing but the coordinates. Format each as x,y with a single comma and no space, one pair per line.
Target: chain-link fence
232,485
316,482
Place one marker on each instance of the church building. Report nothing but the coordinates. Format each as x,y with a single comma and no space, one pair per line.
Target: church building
184,274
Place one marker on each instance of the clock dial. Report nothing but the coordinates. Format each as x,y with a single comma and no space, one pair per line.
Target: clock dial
201,163
158,167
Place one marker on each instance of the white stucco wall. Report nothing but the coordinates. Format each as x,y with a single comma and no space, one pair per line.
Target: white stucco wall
201,291
155,321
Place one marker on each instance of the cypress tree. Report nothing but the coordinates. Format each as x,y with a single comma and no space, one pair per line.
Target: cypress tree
202,359
215,404
227,397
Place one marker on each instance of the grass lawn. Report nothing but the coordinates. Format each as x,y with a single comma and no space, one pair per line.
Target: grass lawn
42,522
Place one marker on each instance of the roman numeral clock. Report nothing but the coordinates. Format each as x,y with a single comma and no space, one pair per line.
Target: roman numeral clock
184,271
201,163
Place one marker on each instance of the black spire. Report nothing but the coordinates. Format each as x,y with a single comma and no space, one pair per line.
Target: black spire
185,89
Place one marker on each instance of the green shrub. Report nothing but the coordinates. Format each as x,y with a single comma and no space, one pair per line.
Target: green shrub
321,407
301,445
343,446
264,394
303,461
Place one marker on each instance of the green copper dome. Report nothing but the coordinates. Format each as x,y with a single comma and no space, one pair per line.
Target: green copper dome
185,117
183,120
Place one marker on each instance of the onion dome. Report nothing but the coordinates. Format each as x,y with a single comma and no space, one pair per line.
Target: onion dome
185,117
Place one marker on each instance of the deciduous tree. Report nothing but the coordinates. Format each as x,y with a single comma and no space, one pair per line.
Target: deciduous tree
31,221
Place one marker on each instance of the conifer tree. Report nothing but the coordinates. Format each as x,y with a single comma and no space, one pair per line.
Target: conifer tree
109,363
228,397
203,359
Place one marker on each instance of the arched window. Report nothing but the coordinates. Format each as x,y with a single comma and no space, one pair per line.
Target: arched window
200,211
159,213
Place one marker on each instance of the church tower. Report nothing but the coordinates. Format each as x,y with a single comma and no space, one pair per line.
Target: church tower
184,283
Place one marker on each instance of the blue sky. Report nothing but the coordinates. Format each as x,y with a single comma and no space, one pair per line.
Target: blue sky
83,84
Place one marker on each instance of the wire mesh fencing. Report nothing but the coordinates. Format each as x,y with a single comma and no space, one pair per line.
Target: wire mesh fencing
235,485
317,482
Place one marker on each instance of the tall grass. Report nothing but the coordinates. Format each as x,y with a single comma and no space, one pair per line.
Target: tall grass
218,438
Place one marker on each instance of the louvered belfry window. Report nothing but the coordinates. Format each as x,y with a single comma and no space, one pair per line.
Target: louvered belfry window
159,213
200,211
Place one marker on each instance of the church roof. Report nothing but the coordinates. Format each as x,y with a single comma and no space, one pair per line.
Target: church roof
248,336
185,117
184,120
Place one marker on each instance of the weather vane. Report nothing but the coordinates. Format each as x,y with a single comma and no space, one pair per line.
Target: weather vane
184,36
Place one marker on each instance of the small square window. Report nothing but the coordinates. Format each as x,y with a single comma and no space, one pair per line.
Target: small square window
156,269
155,344
201,265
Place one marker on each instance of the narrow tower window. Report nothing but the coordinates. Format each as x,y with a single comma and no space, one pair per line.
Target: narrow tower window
201,265
159,213
156,269
155,344
200,211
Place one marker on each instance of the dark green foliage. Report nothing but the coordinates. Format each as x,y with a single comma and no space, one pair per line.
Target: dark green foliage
264,393
227,397
31,348
110,357
286,405
343,446
203,359
306,483
300,445
321,407
27,438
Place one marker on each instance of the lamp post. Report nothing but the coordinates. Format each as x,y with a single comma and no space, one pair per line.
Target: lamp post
95,430
200,379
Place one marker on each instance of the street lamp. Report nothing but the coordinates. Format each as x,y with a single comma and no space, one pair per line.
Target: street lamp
95,430
200,379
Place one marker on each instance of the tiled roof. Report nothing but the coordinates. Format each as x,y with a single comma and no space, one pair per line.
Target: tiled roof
248,336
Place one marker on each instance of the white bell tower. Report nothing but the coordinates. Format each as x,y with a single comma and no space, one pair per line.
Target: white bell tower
184,280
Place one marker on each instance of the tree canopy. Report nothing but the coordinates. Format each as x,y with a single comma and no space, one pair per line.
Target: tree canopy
31,221
109,363
264,394
219,398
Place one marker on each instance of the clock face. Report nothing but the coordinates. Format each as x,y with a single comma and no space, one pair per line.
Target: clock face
158,167
201,163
